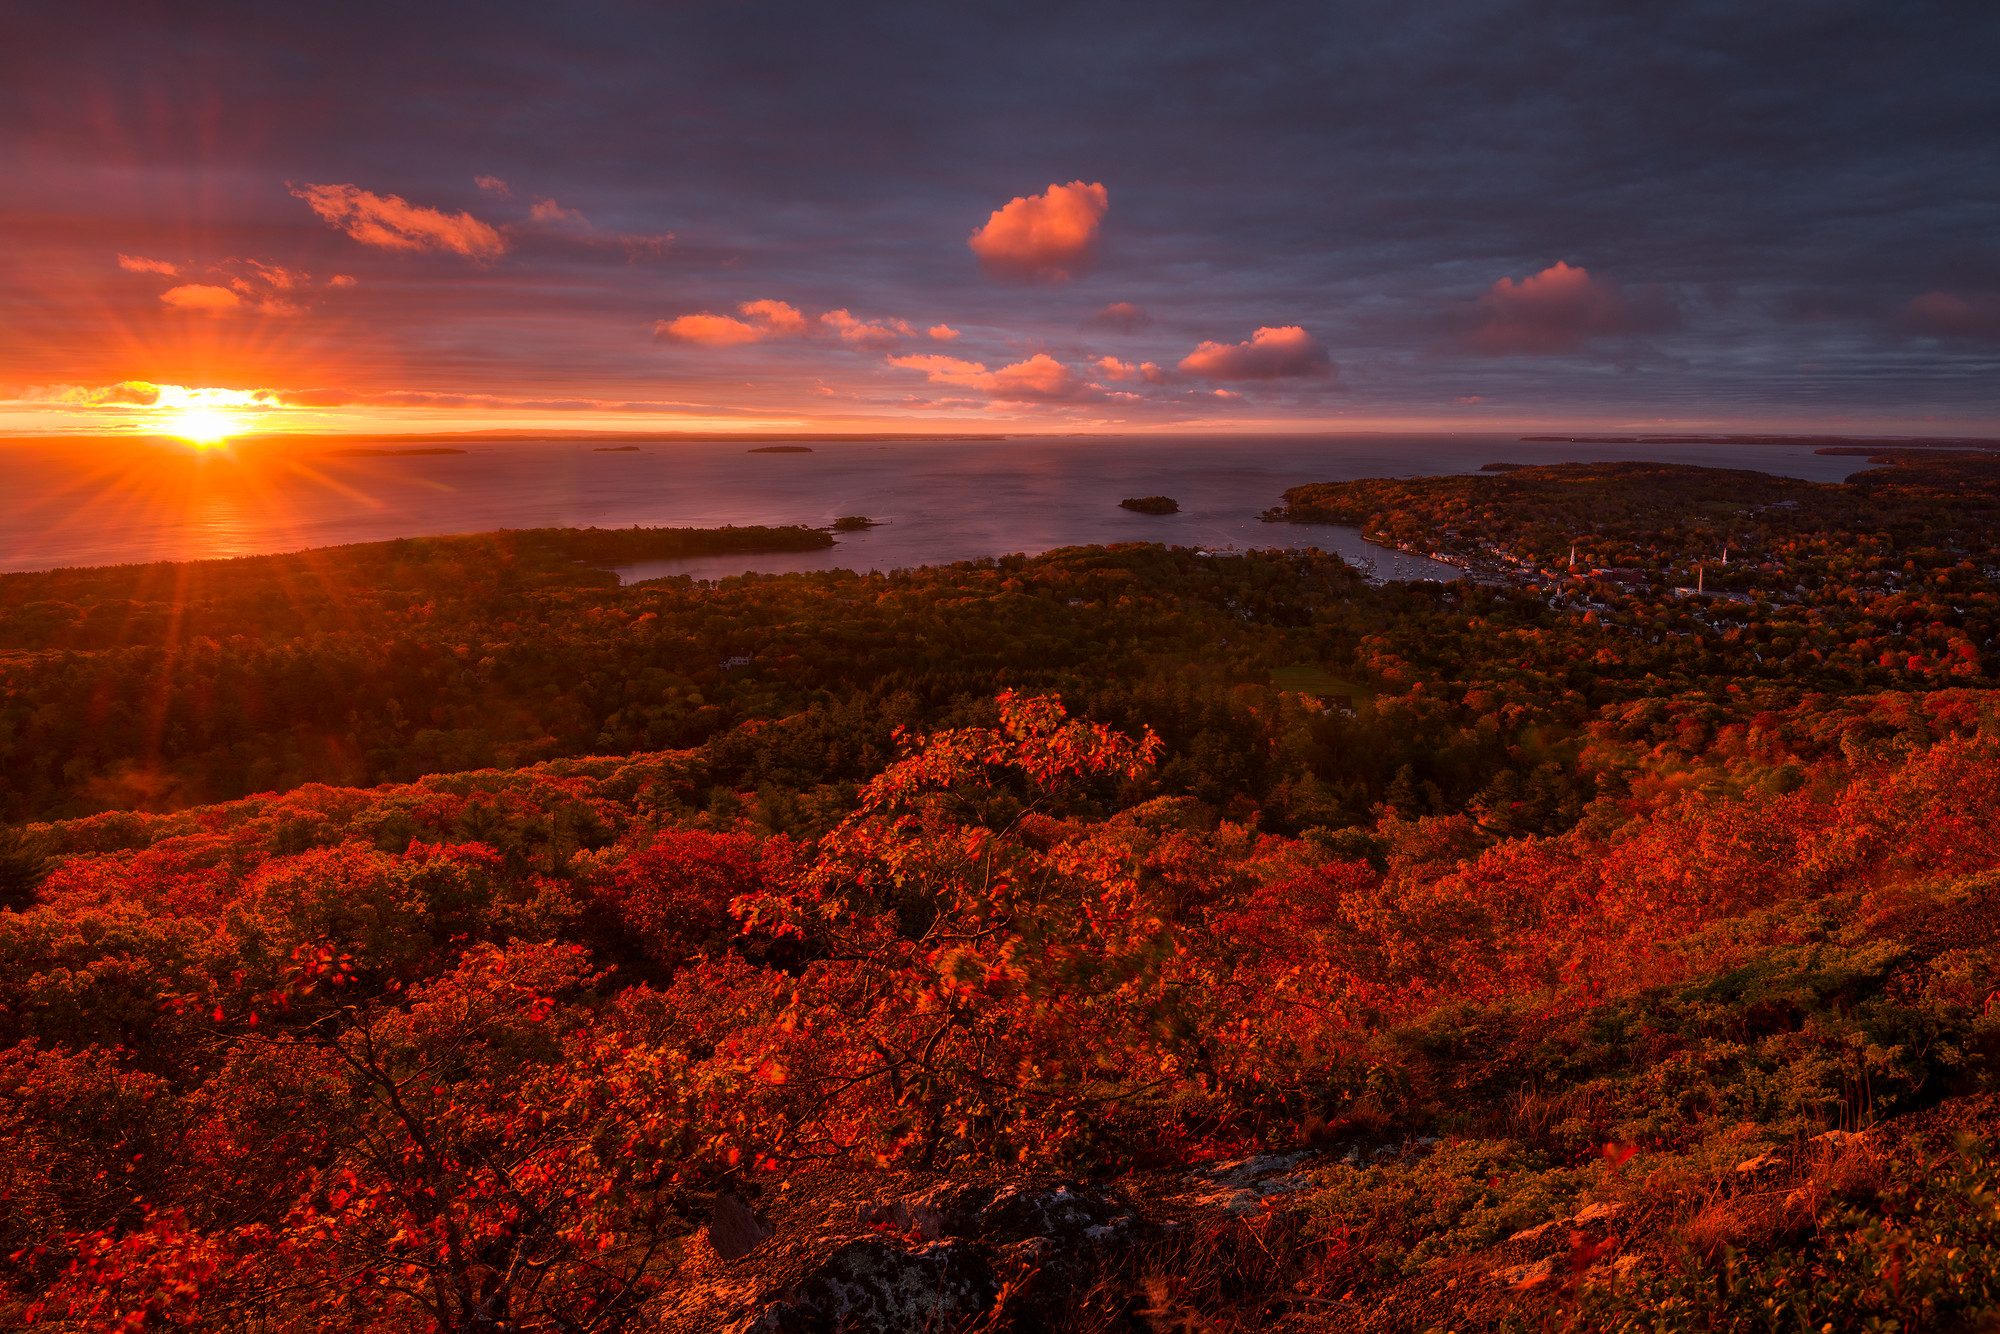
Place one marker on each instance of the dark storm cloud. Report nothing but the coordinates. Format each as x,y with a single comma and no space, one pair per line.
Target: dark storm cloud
1348,170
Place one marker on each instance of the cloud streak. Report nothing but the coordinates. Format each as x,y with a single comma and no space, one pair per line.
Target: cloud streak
124,394
391,222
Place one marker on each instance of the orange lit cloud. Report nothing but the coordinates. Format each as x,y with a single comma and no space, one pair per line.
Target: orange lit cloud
1270,354
778,318
139,264
710,330
865,333
393,223
1559,310
248,285
1051,236
341,280
945,370
203,299
1113,369
943,333
1039,379
765,319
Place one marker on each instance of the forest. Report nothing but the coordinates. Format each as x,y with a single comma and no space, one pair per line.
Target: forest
440,935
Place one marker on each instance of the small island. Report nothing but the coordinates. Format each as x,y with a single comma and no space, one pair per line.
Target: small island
1151,504
853,523
782,449
616,449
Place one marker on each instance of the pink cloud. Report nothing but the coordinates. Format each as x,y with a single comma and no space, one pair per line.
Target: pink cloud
551,214
341,280
1946,315
1283,353
493,185
945,370
943,333
1227,395
1111,368
201,298
779,318
864,333
710,330
1470,398
764,319
1039,379
1051,236
393,223
1559,310
139,264
1122,316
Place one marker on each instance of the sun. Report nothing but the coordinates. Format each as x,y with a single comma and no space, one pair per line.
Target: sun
203,426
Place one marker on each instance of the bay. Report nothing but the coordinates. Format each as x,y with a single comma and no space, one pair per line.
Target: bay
936,500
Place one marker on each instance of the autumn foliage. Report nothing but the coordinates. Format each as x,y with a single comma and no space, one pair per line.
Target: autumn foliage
1258,857
263,1070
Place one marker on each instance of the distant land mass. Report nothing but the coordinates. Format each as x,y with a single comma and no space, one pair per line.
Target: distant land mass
1853,441
363,453
782,449
1151,504
616,449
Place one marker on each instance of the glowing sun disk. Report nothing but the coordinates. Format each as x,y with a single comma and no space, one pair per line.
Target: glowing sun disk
203,425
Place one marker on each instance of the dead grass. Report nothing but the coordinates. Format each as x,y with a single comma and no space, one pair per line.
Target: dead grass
1850,1172
1756,1213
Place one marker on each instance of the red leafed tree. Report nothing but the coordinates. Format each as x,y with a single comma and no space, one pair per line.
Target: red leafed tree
481,1156
674,896
980,989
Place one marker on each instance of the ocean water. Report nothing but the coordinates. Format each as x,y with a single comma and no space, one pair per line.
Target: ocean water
67,503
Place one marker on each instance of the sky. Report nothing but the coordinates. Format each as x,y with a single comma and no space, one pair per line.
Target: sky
1467,214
